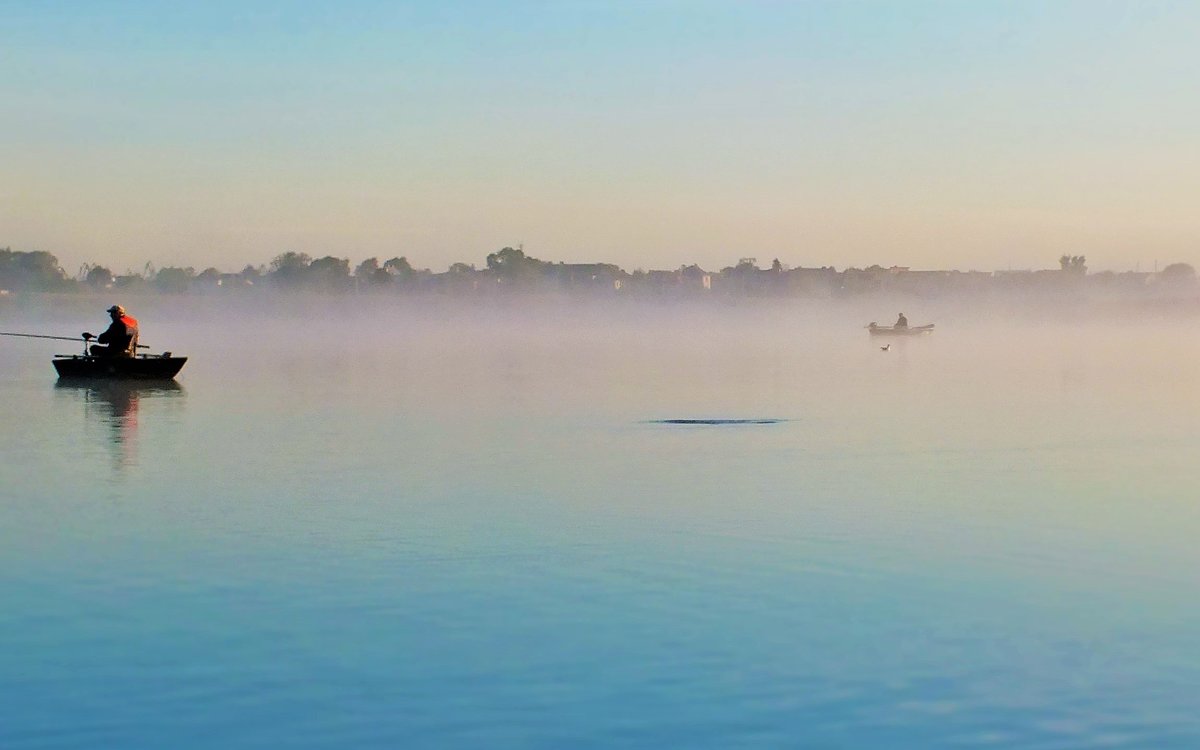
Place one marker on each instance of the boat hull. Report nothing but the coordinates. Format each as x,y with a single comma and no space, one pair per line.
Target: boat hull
143,367
890,331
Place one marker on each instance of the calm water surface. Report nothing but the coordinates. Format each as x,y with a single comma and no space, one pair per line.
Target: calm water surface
392,527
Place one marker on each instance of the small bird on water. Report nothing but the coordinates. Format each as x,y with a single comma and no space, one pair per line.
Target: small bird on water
885,347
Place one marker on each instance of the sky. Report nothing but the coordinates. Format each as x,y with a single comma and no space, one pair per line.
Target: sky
968,134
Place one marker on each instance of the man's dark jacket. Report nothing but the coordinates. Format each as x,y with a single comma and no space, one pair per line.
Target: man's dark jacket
121,337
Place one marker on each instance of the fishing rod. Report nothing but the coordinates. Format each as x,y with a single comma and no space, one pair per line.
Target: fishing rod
40,336
89,337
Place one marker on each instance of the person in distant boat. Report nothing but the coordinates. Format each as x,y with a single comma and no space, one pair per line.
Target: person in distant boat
121,338
902,322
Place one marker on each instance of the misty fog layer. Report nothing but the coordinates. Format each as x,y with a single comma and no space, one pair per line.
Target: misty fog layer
424,512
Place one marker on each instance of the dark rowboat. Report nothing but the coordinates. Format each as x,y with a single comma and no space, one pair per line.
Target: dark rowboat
893,331
142,367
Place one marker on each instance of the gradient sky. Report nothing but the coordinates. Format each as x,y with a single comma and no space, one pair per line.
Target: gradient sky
962,134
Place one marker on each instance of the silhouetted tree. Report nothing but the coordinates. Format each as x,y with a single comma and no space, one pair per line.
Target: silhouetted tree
1075,264
399,267
330,273
174,280
512,265
290,269
251,275
365,270
36,271
744,266
370,272
130,281
505,258
98,277
1178,274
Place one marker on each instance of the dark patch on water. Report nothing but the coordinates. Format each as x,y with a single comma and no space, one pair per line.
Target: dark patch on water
716,421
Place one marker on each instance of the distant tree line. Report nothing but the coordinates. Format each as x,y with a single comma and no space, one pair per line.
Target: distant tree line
36,271
512,269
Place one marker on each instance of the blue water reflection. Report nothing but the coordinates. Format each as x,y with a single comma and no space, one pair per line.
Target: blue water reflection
441,537
116,405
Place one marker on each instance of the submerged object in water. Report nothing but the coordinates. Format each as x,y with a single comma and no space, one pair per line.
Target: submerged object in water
717,421
893,331
142,367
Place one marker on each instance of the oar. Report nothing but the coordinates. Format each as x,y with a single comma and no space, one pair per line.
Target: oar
57,338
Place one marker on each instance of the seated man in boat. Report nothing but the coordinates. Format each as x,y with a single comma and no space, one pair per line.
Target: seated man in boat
121,337
902,322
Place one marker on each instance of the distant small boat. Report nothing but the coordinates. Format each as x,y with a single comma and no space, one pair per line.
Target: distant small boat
142,367
893,331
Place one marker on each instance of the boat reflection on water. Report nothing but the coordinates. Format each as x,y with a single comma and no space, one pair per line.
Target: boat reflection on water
116,405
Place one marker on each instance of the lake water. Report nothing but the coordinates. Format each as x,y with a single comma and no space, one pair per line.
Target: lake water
364,524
